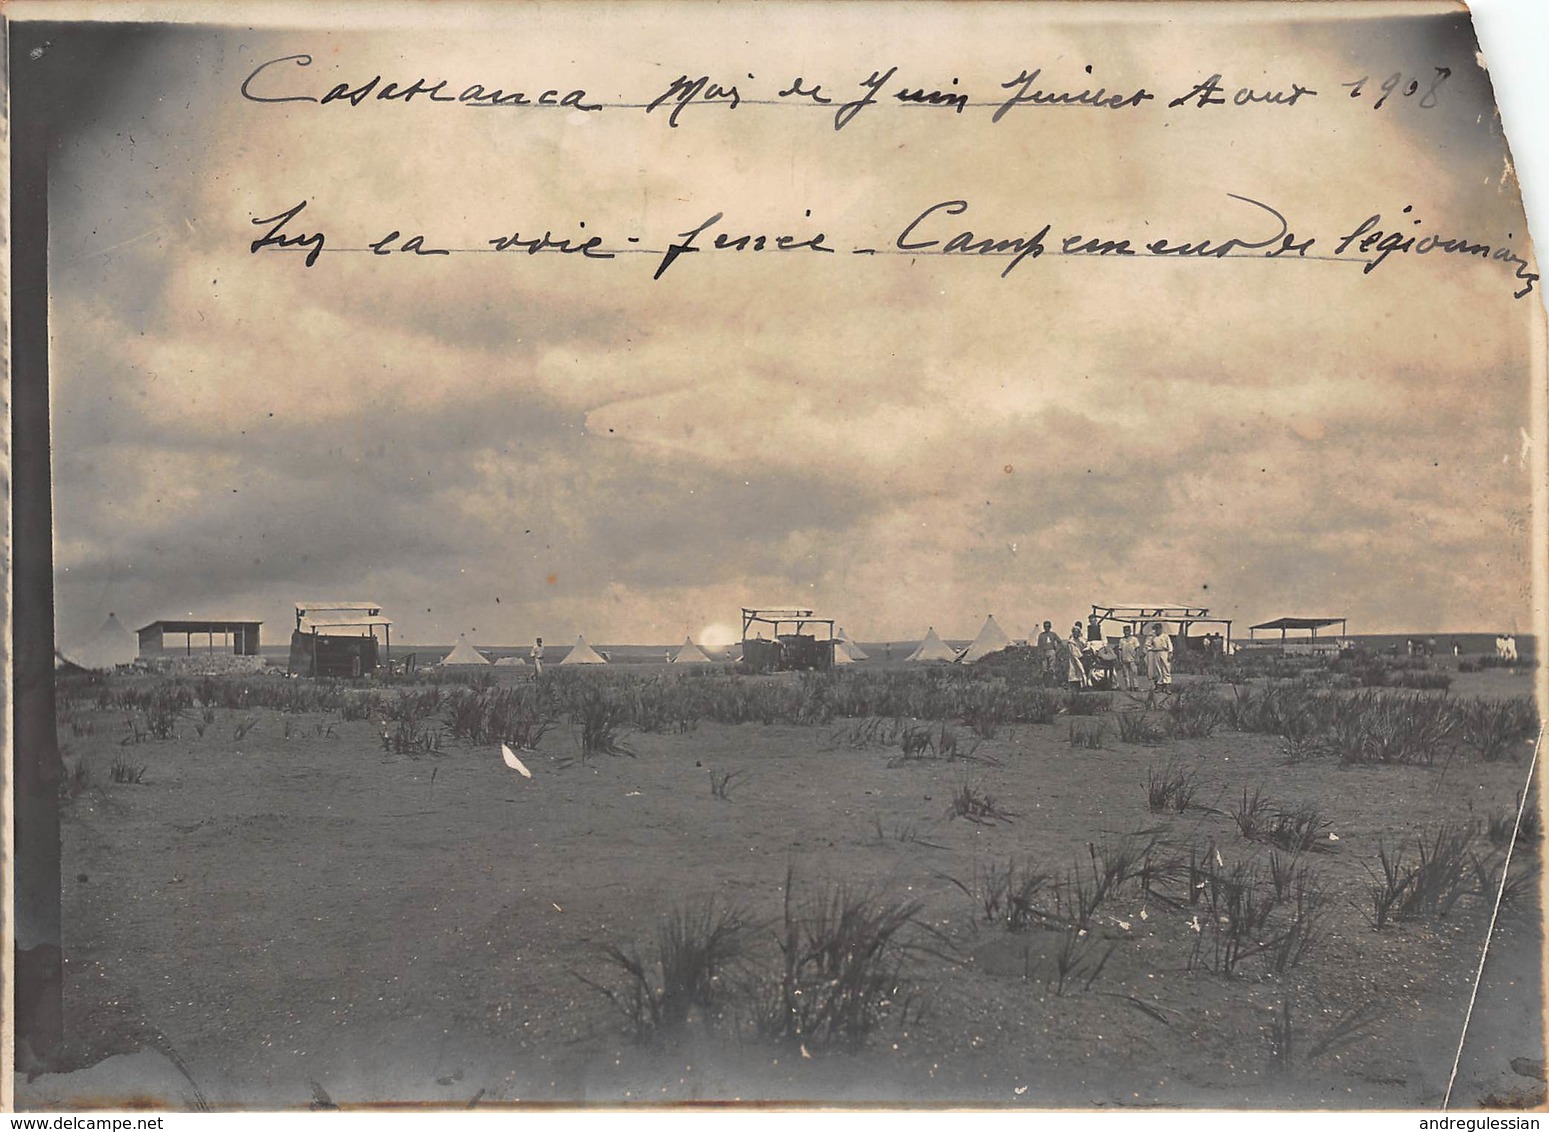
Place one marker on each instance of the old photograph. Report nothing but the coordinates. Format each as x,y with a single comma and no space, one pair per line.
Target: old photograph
864,553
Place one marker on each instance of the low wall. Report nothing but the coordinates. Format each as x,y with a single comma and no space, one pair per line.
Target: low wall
217,664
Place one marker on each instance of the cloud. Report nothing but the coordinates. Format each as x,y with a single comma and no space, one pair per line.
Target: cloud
897,440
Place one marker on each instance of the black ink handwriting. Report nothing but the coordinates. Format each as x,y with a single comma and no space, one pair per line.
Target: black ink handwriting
274,238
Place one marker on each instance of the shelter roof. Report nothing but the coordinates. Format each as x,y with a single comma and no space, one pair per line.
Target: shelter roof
1300,623
1154,608
318,624
220,625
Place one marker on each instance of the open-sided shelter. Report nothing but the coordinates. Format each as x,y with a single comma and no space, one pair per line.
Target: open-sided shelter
1177,618
238,638
1311,643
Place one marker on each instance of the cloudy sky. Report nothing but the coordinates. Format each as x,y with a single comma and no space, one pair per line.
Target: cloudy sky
507,445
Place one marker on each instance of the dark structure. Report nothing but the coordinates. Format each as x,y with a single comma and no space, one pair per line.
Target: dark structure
338,639
793,650
238,638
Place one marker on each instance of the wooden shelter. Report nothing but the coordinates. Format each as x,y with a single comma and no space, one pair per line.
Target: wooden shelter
238,638
791,647
1183,616
338,638
1287,625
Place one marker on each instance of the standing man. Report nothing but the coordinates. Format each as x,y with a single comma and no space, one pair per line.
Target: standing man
1129,659
1048,648
537,658
1159,657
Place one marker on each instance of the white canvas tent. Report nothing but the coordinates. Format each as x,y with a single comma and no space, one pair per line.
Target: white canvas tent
690,653
110,645
510,662
842,655
464,654
583,653
991,638
933,648
855,650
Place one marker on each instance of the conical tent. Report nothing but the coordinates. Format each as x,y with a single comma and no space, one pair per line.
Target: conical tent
990,639
855,650
464,653
842,655
583,653
690,653
933,648
110,645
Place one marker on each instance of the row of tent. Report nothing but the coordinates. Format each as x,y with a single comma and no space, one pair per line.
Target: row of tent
464,655
113,644
846,651
991,638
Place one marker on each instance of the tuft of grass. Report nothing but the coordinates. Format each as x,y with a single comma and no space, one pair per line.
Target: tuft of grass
1042,705
1008,897
125,773
599,723
1495,729
1287,1029
1171,788
978,807
1076,958
1252,815
1389,728
985,709
1243,918
1390,882
1430,885
1299,830
687,976
1138,727
1088,733
1196,711
721,783
1500,827
1088,703
842,973
74,777
411,737
916,742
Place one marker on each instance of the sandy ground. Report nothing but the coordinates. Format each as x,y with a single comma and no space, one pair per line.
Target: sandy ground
291,920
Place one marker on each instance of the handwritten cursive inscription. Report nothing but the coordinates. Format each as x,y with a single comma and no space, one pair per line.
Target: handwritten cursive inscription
1257,230
274,88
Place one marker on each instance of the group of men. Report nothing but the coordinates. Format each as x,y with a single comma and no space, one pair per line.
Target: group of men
1081,657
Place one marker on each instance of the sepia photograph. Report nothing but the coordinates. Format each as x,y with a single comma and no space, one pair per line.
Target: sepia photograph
900,555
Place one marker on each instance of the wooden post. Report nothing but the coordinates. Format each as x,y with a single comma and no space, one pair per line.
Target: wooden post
37,983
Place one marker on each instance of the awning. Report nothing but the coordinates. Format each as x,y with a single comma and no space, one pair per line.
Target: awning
1300,623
